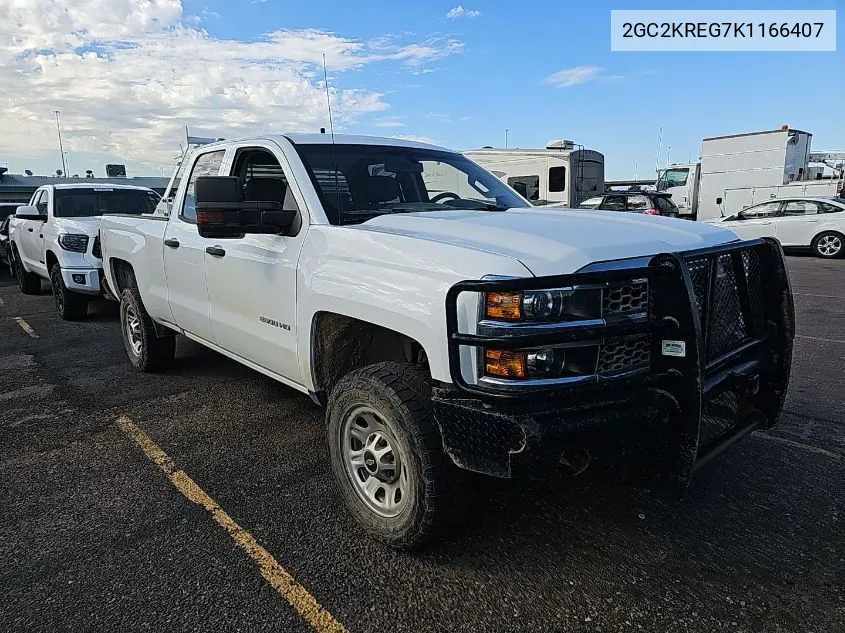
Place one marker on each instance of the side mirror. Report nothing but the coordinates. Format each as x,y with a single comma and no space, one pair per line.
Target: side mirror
28,212
222,212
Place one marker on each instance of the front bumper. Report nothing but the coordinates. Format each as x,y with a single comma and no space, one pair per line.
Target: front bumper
731,308
82,280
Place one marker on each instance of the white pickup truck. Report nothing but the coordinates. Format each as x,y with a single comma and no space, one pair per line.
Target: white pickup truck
455,328
54,237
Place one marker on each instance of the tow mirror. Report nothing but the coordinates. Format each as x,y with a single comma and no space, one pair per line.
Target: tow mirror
222,211
28,212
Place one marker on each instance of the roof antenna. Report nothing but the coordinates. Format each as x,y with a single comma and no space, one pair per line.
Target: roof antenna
334,151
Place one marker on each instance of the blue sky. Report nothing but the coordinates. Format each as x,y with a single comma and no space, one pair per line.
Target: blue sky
493,78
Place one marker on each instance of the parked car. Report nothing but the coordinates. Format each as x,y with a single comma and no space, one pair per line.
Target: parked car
5,252
454,329
648,202
814,223
55,237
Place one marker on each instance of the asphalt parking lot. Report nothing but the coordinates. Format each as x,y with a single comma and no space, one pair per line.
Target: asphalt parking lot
95,536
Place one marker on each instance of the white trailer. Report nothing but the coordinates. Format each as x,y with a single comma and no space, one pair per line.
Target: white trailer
743,169
558,174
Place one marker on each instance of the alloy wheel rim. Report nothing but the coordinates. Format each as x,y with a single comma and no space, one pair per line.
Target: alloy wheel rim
829,245
133,330
373,461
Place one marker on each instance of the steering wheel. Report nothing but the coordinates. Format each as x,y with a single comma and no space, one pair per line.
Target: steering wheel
444,196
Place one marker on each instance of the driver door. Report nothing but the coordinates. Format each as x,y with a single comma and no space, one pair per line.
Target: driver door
756,221
30,237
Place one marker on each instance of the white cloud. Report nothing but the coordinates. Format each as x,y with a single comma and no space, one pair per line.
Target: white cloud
415,137
444,117
460,12
390,121
573,76
128,75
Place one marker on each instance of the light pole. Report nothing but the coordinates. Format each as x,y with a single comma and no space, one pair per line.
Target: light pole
506,137
61,149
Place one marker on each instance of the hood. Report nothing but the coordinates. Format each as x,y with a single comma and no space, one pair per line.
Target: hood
554,241
81,226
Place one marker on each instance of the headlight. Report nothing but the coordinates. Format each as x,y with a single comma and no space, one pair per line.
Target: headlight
562,304
75,243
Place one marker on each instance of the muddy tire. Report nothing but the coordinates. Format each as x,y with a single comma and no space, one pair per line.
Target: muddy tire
147,352
387,454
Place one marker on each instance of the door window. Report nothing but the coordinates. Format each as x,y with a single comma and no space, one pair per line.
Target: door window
672,178
765,210
800,207
206,165
263,180
557,179
43,201
526,186
613,203
824,207
638,203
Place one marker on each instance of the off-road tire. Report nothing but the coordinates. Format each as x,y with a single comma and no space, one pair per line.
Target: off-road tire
402,394
70,305
29,283
155,354
827,235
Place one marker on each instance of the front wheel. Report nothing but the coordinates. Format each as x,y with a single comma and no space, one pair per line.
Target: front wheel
147,352
70,305
387,455
829,245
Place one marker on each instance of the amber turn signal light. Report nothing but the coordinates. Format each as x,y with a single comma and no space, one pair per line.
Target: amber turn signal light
504,305
505,364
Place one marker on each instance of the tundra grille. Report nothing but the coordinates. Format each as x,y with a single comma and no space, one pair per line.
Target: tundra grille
95,250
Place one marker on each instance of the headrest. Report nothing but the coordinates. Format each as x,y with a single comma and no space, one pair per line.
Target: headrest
381,189
265,189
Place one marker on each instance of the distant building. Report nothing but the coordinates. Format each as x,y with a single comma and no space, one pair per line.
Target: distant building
18,188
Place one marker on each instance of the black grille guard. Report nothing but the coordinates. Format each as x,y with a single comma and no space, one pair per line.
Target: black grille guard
732,307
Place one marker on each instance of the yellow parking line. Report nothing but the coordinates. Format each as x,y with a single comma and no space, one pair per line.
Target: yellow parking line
278,577
26,327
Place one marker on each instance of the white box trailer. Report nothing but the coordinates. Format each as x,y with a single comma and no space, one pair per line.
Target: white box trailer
558,174
743,169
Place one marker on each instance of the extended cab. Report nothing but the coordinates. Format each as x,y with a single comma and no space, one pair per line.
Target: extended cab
455,328
54,237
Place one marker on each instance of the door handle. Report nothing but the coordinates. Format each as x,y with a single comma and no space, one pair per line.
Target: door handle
29,229
171,243
216,251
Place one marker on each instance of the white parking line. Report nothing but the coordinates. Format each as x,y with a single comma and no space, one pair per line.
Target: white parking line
26,327
279,578
820,338
806,447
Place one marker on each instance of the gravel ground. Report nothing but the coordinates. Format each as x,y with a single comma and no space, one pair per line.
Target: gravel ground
93,536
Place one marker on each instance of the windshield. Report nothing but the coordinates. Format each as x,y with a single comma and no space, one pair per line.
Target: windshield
373,180
672,178
89,203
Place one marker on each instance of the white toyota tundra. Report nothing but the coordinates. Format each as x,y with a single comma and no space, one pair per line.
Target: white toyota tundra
54,237
447,324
